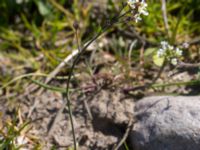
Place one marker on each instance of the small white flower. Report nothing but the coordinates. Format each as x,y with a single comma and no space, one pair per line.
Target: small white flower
141,8
137,18
174,61
161,52
132,3
170,47
164,44
179,52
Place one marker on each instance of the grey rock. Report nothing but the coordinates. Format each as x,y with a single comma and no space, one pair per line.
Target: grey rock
167,123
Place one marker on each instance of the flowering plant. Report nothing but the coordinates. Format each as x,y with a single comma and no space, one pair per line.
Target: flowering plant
136,8
167,52
140,7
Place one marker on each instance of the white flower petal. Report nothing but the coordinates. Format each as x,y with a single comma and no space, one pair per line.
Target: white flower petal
174,61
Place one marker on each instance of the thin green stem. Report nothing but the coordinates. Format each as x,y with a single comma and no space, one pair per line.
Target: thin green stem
105,28
193,82
30,75
68,83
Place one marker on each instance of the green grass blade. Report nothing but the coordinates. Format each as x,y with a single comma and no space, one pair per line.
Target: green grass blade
48,87
192,82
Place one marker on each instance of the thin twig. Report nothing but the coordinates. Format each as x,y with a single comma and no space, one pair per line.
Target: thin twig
129,127
87,109
188,65
165,19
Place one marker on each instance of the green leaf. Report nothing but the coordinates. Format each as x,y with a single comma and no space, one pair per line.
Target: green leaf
149,51
48,87
43,8
158,60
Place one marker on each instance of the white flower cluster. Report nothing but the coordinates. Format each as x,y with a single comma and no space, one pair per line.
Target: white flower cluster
141,8
171,53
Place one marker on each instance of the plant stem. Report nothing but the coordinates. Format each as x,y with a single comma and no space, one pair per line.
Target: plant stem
104,29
